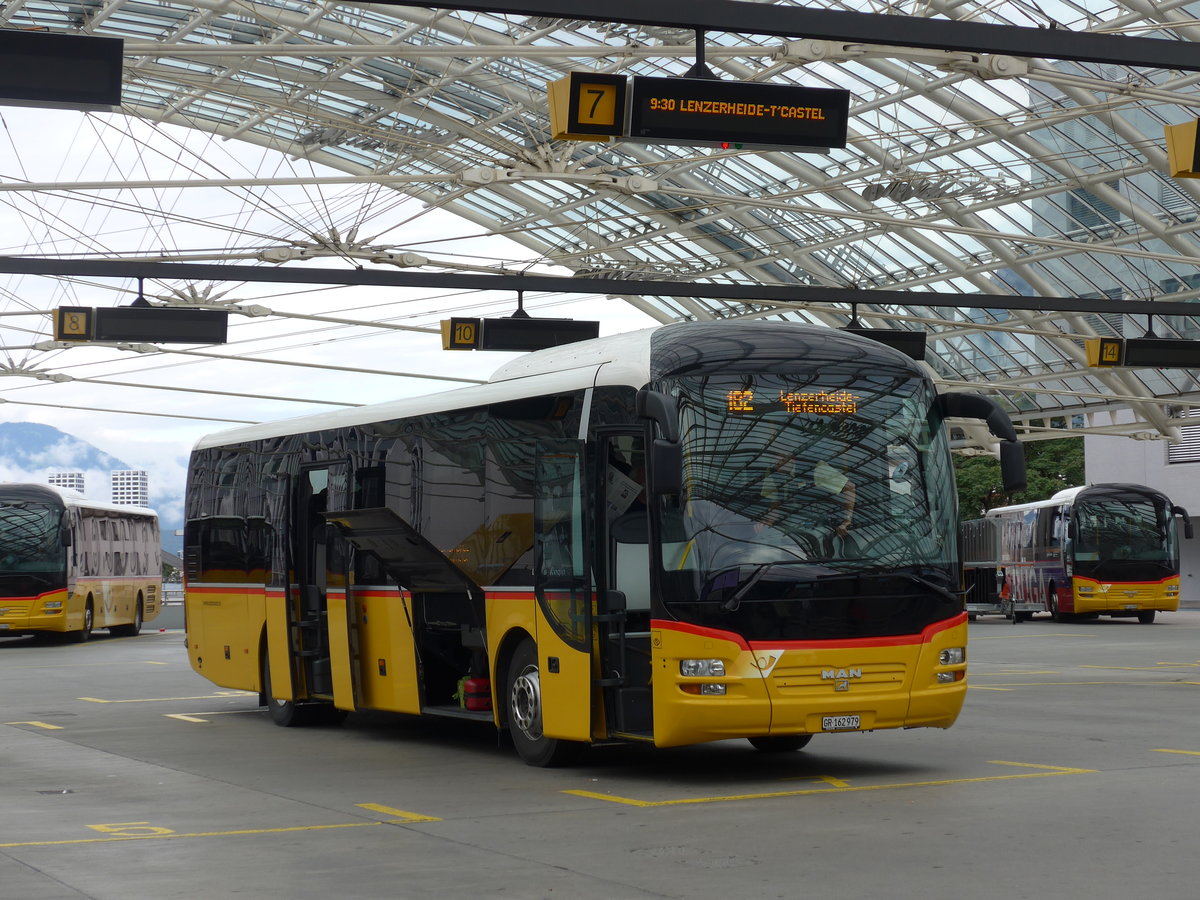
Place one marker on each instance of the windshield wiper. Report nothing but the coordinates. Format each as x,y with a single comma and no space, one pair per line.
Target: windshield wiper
732,604
956,596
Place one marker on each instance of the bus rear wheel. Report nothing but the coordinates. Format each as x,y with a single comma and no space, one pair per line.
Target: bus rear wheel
784,743
134,628
523,688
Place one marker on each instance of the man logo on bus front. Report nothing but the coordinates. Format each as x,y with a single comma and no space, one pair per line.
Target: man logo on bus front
841,677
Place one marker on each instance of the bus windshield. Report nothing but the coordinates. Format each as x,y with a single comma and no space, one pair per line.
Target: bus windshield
30,541
1127,536
816,504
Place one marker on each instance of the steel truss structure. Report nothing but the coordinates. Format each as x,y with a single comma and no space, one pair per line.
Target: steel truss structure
996,150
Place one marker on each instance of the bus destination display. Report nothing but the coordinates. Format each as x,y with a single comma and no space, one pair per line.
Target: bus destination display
737,112
829,403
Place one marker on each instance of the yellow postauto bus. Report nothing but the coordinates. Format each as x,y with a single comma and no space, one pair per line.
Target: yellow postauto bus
1108,549
69,564
684,534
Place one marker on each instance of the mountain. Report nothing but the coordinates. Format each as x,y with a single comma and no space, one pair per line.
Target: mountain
29,452
28,446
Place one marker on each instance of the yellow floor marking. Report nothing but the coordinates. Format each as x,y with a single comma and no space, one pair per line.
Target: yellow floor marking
975,673
195,834
194,717
1043,772
38,725
1022,637
978,687
1157,667
826,779
173,699
1183,752
397,815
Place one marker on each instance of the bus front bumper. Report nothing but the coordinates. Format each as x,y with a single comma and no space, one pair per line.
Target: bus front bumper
809,688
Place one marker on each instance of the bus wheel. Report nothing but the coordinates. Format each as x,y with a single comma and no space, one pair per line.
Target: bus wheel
89,616
524,691
784,743
284,713
1146,617
1055,614
134,628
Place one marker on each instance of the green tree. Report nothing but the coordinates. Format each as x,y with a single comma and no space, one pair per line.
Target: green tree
1050,466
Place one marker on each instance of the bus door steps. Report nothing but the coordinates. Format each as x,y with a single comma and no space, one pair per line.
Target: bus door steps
451,711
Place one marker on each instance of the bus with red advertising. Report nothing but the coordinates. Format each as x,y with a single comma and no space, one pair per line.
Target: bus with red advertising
689,533
69,565
1100,550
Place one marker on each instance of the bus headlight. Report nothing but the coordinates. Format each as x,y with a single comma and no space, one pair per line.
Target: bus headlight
1172,589
52,605
1086,589
702,668
953,656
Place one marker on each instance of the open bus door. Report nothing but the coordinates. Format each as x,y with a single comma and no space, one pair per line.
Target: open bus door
563,585
309,662
623,567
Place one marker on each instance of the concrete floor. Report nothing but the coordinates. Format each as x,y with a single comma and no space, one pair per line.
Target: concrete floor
1074,772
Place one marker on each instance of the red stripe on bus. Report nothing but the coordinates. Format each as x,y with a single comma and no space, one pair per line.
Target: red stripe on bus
899,640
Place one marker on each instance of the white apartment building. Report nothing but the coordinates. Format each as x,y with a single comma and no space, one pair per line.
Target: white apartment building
71,481
131,487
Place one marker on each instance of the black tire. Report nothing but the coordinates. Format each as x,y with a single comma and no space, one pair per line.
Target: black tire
1146,617
284,713
134,628
1055,614
288,713
784,743
523,691
89,618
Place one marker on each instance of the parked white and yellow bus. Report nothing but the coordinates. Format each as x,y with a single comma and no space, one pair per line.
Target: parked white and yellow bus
1103,549
69,564
684,534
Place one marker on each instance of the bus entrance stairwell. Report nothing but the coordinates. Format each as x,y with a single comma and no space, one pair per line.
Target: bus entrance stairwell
315,637
624,569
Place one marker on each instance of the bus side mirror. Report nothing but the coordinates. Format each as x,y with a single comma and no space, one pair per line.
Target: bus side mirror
1012,466
1187,522
659,408
64,535
976,406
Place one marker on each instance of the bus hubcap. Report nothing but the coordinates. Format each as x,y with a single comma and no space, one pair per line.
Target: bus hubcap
527,703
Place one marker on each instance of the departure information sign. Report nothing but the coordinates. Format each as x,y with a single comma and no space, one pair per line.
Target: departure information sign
703,110
830,403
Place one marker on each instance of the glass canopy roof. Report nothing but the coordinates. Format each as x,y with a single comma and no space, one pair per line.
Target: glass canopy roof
963,173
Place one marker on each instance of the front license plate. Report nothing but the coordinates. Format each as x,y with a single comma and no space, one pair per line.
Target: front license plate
839,723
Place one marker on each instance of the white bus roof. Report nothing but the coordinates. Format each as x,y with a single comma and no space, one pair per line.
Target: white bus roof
620,359
77,500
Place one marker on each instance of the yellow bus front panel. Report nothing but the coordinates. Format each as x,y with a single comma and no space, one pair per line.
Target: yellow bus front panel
1117,598
805,687
45,612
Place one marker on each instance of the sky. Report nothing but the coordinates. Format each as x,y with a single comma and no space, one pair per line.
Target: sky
148,409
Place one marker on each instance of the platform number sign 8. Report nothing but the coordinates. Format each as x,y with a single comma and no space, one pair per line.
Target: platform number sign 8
73,323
